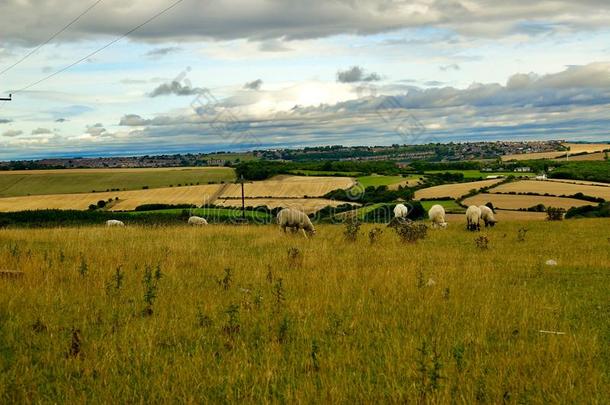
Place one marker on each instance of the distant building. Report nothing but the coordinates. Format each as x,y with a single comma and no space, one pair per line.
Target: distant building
541,176
523,169
494,177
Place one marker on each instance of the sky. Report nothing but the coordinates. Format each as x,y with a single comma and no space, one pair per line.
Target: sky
211,75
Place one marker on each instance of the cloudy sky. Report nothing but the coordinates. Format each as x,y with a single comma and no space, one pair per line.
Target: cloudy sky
211,75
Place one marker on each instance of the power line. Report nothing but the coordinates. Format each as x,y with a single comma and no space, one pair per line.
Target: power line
33,51
160,13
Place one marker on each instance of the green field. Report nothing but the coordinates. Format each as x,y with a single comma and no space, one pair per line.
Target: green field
323,173
68,181
449,205
246,314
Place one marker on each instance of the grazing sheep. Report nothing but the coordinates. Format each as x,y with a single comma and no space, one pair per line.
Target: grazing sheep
197,221
437,216
487,215
295,220
473,217
401,211
114,223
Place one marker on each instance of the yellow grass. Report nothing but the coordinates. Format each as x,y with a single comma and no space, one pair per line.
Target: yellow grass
574,148
128,200
590,183
553,188
524,201
112,170
588,156
437,322
453,190
289,186
307,205
503,216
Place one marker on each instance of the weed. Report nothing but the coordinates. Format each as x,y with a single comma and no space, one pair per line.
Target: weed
203,321
295,258
521,234
75,343
83,269
411,232
227,280
232,327
278,294
39,326
352,228
374,235
315,361
283,330
150,290
482,242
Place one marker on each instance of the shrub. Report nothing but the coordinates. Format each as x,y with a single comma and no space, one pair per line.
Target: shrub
410,232
555,214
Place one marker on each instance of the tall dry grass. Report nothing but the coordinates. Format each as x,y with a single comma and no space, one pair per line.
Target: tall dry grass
247,313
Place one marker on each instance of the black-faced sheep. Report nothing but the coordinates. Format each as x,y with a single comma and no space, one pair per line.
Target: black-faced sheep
487,215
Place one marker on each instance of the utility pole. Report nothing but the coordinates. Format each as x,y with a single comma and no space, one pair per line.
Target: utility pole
243,197
10,98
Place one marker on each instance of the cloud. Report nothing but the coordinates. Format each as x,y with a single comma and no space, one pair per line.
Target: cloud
262,20
41,131
133,120
5,121
356,74
452,66
12,133
160,52
60,120
273,45
174,88
254,85
96,130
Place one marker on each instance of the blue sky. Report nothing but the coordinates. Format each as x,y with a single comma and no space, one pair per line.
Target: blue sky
319,72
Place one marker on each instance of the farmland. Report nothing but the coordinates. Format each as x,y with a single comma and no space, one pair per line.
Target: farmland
307,205
553,188
289,186
152,315
36,182
575,148
453,190
449,205
513,202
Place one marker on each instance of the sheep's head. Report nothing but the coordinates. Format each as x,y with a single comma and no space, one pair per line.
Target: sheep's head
443,225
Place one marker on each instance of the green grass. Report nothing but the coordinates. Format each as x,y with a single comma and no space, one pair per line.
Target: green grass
323,173
305,321
376,180
68,181
449,205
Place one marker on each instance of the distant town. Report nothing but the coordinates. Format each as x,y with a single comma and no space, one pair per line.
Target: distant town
399,153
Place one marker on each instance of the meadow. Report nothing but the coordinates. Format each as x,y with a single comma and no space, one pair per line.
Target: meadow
456,190
36,182
245,313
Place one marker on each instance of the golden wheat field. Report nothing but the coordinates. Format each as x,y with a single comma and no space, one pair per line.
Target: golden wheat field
588,156
553,188
247,314
306,205
453,190
281,186
289,186
513,202
574,148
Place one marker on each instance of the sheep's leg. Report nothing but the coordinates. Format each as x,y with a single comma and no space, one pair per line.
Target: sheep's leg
304,233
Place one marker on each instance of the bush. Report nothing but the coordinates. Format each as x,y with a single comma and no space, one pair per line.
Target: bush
555,214
409,231
590,211
101,204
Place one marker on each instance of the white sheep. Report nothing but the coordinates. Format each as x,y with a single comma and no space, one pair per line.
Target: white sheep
197,221
473,217
401,211
437,216
114,223
487,215
296,220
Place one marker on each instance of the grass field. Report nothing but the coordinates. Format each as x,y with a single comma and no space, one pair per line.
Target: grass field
449,205
475,174
376,180
289,186
35,182
507,201
324,173
440,321
453,190
553,188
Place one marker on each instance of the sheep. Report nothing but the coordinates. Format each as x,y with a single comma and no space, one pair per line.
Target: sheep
295,220
473,217
114,223
197,221
487,215
401,211
437,216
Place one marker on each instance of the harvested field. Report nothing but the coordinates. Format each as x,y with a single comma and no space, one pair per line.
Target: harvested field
289,186
453,190
570,181
553,188
588,156
513,202
128,200
307,205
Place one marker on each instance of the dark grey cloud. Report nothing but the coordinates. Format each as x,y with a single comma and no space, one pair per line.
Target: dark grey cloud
133,120
176,89
5,121
61,120
356,74
11,133
41,131
160,52
262,20
273,45
254,85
